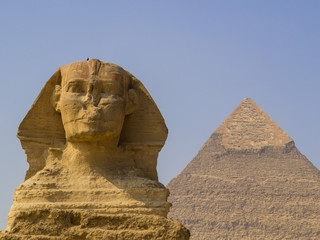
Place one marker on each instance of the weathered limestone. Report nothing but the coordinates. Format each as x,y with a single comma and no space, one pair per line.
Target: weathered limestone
248,181
92,139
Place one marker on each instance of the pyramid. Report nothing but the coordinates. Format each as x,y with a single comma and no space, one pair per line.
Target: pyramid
248,181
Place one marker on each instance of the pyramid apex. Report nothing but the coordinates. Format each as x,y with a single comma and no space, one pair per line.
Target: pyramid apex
248,100
249,127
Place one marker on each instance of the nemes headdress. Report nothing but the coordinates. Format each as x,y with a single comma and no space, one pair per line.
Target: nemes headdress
42,134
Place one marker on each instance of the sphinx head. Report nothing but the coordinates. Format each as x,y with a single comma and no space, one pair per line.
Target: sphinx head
93,102
94,98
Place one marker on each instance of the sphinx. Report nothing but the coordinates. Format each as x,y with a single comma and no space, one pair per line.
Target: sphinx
92,138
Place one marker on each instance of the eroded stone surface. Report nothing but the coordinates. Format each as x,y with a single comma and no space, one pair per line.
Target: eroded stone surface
92,139
248,181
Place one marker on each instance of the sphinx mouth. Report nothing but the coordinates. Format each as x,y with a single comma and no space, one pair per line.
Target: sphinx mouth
90,117
87,120
92,120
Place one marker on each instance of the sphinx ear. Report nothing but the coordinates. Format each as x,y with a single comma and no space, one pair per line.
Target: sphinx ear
132,102
55,97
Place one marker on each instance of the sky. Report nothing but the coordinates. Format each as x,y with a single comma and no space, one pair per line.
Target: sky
198,59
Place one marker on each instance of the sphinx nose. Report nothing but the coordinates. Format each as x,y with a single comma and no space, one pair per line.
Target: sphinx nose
95,99
92,99
93,96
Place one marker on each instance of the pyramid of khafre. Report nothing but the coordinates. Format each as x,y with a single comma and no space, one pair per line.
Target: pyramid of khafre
248,181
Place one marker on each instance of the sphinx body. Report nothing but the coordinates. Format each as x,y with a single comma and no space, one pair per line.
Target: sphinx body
92,138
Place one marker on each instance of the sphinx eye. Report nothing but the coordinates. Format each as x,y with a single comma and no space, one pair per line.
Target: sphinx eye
103,90
106,88
76,88
110,88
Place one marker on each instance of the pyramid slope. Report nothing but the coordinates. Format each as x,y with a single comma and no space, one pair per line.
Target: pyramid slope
256,191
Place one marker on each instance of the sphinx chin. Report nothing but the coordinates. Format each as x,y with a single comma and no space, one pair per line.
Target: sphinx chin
93,136
93,131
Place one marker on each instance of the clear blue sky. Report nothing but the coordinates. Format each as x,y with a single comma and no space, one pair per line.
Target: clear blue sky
198,59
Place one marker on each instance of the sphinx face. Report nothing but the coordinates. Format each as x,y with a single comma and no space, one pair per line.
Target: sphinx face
93,103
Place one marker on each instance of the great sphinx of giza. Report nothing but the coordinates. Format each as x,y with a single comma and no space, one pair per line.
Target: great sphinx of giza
92,139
